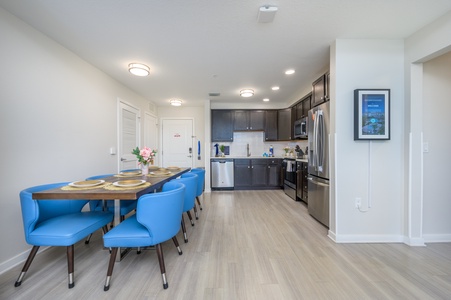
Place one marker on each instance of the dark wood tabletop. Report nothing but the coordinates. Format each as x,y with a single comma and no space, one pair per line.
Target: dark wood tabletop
100,193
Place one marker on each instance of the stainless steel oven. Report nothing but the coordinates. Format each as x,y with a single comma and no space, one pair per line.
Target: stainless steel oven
290,177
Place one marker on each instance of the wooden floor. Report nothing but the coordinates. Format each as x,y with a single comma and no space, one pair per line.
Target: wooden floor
246,245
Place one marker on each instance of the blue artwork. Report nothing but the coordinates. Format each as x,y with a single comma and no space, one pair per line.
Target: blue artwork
373,114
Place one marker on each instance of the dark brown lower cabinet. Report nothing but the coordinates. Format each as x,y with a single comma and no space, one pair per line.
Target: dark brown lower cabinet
260,173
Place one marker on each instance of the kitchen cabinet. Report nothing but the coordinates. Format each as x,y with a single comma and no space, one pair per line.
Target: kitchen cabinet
305,103
261,173
271,125
249,120
302,183
221,126
275,173
320,89
242,173
284,125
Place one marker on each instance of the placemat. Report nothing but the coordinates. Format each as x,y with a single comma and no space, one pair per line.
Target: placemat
73,188
127,176
112,187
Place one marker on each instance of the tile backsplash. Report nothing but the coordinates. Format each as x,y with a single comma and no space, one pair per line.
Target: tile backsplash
257,144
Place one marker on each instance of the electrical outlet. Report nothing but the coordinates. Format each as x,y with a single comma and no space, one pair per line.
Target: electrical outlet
358,202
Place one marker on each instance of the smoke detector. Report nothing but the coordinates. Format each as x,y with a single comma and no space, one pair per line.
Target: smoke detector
266,14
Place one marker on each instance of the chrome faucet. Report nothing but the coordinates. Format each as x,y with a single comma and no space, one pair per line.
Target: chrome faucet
247,150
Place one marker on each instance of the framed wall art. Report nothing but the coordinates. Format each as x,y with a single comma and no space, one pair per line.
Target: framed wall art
372,114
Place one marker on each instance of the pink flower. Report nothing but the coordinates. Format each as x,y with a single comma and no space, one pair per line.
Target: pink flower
146,153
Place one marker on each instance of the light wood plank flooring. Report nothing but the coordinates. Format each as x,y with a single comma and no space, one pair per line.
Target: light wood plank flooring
246,245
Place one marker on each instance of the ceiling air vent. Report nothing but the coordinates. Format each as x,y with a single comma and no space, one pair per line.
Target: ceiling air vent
214,94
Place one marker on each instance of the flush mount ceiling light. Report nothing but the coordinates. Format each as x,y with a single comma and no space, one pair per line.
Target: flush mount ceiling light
275,88
176,102
266,100
289,72
138,69
247,93
266,14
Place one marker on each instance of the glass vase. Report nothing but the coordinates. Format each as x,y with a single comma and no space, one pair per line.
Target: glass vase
144,169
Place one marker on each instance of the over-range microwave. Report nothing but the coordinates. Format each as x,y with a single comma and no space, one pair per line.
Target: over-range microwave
300,128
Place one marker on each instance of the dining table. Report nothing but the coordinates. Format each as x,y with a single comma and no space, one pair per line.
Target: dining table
115,188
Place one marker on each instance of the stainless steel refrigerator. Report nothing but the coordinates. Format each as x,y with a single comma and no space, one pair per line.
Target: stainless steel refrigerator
318,162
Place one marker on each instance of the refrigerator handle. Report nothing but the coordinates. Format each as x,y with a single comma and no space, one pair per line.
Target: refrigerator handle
317,182
320,141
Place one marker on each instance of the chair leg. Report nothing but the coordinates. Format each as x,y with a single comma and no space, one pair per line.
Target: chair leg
184,230
176,243
198,201
109,273
190,218
30,258
88,239
195,211
162,268
70,265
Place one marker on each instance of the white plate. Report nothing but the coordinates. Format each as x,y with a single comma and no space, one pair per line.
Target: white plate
128,183
131,173
86,183
161,173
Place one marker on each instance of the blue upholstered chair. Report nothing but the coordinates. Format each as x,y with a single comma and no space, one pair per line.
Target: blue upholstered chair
126,206
200,185
57,223
157,220
190,182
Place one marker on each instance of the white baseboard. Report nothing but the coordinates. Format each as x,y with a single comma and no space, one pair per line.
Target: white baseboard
351,238
437,238
18,259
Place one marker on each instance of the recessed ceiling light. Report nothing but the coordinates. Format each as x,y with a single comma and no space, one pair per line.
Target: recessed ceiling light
266,100
138,69
275,88
176,102
289,72
247,93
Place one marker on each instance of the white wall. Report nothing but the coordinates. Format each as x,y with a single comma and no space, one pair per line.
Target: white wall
437,162
428,43
58,122
372,170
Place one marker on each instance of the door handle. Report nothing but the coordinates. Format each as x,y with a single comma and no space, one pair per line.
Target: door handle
123,159
189,156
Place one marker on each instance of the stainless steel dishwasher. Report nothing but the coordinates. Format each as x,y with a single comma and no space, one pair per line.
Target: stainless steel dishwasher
222,174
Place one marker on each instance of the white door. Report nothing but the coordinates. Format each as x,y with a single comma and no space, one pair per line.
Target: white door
128,123
177,143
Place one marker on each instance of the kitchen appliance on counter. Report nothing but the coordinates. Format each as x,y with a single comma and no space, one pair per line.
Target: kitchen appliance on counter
290,176
300,128
318,162
222,174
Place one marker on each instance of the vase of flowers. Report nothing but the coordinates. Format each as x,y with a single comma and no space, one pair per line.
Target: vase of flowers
145,158
286,149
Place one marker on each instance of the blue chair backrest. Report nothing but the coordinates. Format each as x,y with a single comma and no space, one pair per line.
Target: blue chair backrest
200,181
36,211
161,213
190,182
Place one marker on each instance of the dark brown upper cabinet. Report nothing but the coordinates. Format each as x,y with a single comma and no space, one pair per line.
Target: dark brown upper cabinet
249,120
320,89
221,125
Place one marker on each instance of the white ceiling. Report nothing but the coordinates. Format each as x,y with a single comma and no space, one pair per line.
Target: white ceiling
198,47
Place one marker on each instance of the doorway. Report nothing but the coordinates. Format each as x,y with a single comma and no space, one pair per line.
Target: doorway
128,129
177,142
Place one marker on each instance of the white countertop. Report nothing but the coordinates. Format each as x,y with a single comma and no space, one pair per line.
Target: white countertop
258,157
